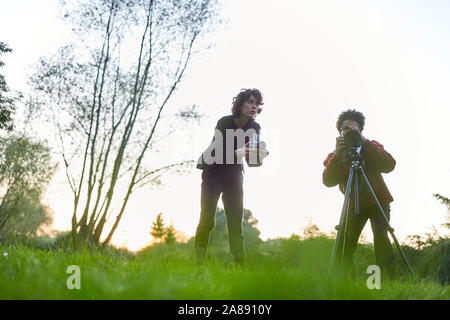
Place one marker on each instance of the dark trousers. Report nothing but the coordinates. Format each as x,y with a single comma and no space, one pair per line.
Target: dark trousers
384,253
229,184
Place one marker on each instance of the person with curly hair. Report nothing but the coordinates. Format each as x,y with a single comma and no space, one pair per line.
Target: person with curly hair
375,161
236,137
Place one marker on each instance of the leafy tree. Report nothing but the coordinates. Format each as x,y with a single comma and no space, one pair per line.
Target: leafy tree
312,231
250,230
219,235
7,107
445,201
24,215
25,171
108,93
442,246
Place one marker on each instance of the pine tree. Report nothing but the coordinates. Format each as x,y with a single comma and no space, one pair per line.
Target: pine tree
170,235
158,230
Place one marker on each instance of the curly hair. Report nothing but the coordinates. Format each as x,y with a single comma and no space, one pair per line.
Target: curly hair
351,114
243,96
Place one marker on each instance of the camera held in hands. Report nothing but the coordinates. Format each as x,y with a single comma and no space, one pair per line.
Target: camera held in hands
353,141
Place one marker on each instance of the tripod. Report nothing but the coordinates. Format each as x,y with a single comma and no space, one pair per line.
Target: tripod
352,181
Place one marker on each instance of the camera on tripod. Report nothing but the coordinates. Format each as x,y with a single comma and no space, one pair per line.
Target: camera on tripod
353,141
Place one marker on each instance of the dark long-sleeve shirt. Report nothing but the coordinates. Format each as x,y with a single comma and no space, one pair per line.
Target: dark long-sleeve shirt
223,124
375,161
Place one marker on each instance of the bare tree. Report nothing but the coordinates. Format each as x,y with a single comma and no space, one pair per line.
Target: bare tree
106,95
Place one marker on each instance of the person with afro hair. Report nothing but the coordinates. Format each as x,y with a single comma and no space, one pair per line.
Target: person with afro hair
375,161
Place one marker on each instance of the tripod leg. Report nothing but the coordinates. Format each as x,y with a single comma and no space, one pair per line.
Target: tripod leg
344,212
390,229
356,192
342,243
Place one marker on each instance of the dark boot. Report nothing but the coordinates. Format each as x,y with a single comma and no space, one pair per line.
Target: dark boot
200,253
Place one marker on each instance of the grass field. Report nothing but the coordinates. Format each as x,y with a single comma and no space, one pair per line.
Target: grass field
282,269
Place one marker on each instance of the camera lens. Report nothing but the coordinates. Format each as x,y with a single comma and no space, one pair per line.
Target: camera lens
352,139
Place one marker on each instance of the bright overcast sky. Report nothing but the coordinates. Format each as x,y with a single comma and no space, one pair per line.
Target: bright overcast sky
312,60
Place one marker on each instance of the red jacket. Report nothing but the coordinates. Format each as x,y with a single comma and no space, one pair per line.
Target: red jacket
375,161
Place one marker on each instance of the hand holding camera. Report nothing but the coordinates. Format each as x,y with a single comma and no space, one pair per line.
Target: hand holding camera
340,146
241,152
351,139
255,149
